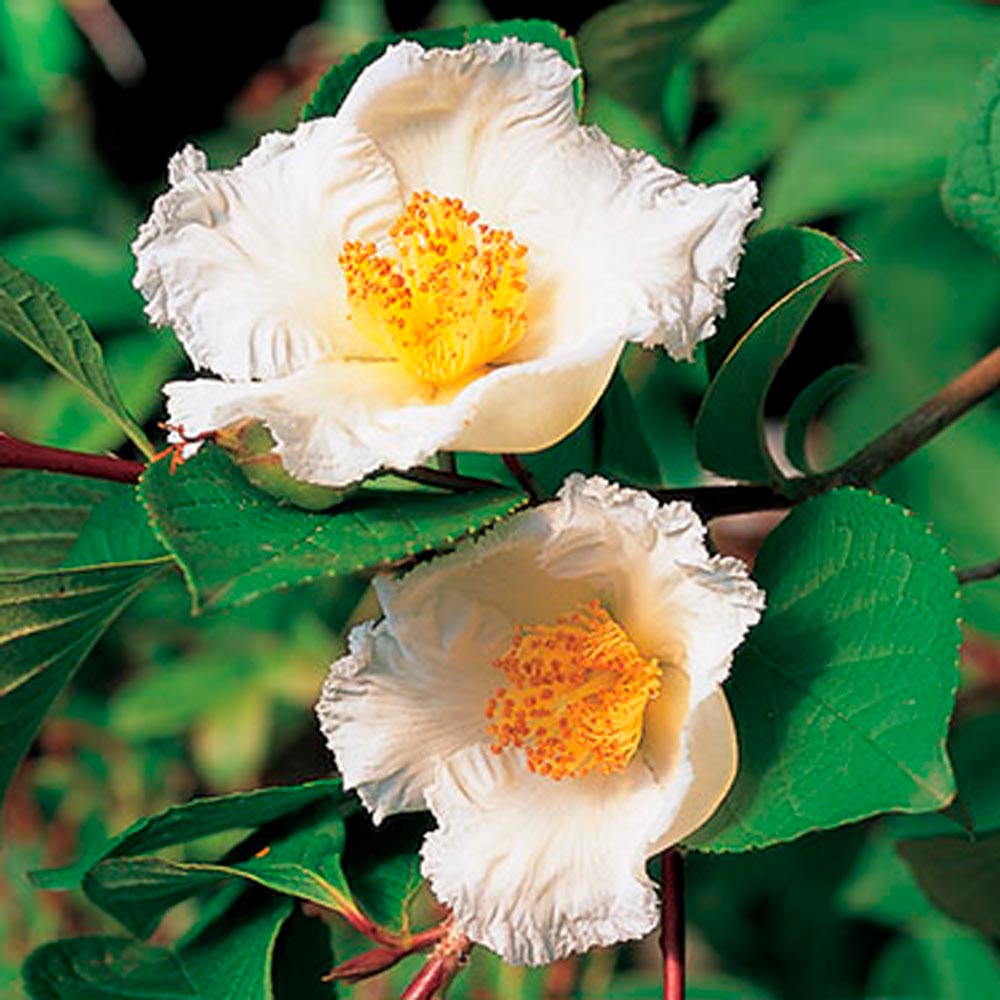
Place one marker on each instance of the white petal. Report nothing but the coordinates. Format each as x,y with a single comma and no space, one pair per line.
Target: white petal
622,245
391,710
242,263
641,248
466,121
536,869
676,601
710,756
335,422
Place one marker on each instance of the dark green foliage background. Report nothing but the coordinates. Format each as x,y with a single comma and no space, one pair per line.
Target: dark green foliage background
846,111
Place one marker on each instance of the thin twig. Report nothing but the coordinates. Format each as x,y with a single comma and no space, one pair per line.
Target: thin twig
672,923
440,969
444,480
985,571
520,472
18,454
718,501
914,430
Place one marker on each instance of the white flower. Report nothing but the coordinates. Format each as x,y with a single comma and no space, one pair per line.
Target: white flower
608,629
452,262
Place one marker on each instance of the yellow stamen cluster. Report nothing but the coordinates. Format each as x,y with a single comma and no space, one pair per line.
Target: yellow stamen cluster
577,693
450,302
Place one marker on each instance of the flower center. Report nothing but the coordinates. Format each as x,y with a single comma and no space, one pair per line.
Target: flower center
577,693
451,301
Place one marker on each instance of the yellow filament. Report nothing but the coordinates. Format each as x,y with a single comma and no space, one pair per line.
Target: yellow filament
576,696
450,302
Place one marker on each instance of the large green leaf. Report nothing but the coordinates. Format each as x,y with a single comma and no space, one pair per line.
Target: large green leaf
41,514
292,853
332,89
305,863
117,531
783,276
303,955
235,543
192,821
843,693
105,968
960,872
231,953
970,189
382,865
48,623
884,887
35,315
630,48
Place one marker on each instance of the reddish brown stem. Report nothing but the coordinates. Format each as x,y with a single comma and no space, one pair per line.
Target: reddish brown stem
672,923
916,429
520,472
392,950
18,454
441,968
985,571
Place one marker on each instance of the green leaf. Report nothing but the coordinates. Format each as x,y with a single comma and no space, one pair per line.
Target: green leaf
960,876
292,853
235,543
807,406
783,276
192,821
843,693
105,968
620,443
631,48
303,955
231,954
49,621
382,866
332,89
941,856
41,514
36,316
117,531
970,185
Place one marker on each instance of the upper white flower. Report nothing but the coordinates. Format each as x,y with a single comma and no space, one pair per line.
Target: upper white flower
551,692
451,262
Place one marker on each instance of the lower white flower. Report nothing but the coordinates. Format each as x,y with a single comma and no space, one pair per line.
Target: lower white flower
451,262
551,692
